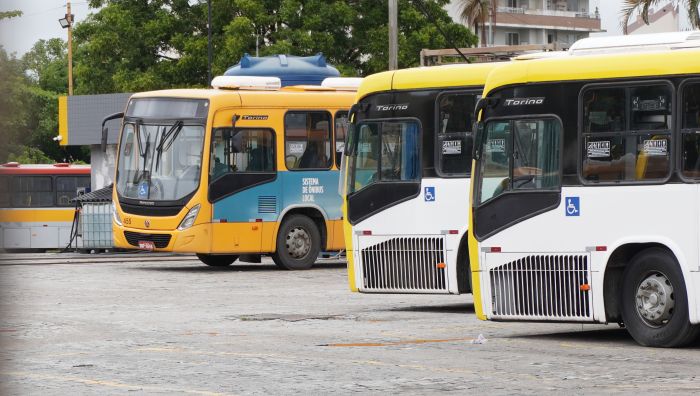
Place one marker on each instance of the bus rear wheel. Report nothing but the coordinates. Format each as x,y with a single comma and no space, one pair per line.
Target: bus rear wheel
655,302
217,260
298,243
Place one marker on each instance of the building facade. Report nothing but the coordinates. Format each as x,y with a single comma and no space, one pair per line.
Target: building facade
665,19
528,22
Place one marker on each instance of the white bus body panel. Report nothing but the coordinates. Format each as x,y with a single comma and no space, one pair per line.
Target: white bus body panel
35,235
419,230
609,217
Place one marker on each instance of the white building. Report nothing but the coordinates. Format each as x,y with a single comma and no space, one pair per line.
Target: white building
666,19
522,22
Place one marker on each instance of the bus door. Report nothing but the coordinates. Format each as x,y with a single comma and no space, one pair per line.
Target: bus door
243,188
690,141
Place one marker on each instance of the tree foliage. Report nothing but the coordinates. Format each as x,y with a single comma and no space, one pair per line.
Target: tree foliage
136,45
29,105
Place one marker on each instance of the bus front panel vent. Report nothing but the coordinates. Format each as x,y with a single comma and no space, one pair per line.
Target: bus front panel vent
542,287
407,264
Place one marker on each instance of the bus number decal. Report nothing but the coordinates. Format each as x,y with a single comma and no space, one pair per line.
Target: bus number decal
310,187
296,148
450,147
497,146
599,149
656,147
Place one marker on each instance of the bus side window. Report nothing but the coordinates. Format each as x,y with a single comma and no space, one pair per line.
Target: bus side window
32,191
245,150
5,191
620,148
454,134
341,129
307,140
690,135
67,187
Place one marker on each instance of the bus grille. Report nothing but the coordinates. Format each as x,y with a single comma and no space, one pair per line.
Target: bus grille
159,240
405,264
267,204
546,287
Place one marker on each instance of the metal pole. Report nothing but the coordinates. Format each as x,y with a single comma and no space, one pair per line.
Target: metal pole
393,35
69,17
209,51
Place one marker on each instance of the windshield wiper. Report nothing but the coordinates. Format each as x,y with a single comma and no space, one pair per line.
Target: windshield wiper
167,139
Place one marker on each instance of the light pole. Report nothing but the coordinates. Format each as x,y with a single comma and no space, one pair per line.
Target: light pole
67,23
393,35
209,50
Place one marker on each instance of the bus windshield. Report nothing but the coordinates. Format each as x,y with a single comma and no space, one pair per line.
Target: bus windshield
159,161
384,151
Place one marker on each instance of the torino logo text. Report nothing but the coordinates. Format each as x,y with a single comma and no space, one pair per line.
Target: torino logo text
392,107
524,101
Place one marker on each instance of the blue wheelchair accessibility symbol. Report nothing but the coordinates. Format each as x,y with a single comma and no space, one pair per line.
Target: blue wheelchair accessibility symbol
573,206
429,194
143,190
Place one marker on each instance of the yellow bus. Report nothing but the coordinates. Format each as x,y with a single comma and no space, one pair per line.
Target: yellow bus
408,165
245,168
585,193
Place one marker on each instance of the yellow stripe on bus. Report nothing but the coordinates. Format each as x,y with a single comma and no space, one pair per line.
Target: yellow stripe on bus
36,215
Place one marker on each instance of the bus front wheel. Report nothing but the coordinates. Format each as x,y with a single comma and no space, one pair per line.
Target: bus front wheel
298,243
655,302
217,260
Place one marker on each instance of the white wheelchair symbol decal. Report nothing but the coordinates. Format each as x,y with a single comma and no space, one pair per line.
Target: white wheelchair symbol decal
573,206
429,194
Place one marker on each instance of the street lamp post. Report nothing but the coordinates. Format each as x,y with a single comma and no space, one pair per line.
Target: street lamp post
67,23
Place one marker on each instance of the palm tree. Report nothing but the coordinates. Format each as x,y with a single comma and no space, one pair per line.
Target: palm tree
474,13
629,7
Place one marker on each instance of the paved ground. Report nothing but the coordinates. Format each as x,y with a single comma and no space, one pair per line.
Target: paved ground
135,324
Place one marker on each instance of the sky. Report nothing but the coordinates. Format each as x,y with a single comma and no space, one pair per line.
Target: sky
40,20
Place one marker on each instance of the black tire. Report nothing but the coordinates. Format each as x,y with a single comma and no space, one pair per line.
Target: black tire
658,318
217,260
290,256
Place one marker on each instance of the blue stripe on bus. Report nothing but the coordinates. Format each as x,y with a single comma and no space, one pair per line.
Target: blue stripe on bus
302,188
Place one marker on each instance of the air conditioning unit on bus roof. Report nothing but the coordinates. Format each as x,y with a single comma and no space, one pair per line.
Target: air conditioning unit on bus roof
636,43
247,83
342,83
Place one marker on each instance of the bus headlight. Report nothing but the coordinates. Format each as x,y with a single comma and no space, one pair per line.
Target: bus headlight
189,218
115,215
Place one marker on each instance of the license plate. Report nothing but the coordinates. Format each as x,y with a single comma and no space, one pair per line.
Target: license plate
147,245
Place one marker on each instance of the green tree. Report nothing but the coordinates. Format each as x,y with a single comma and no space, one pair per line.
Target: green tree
136,45
630,7
29,105
10,14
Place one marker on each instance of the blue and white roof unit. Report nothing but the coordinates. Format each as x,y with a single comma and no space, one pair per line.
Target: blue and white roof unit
291,70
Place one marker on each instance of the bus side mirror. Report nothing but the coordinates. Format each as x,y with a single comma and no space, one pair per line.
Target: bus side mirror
105,130
348,148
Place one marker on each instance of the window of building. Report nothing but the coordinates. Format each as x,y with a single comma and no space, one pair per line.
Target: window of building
690,131
512,39
341,130
67,188
454,138
307,140
243,150
627,133
32,191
